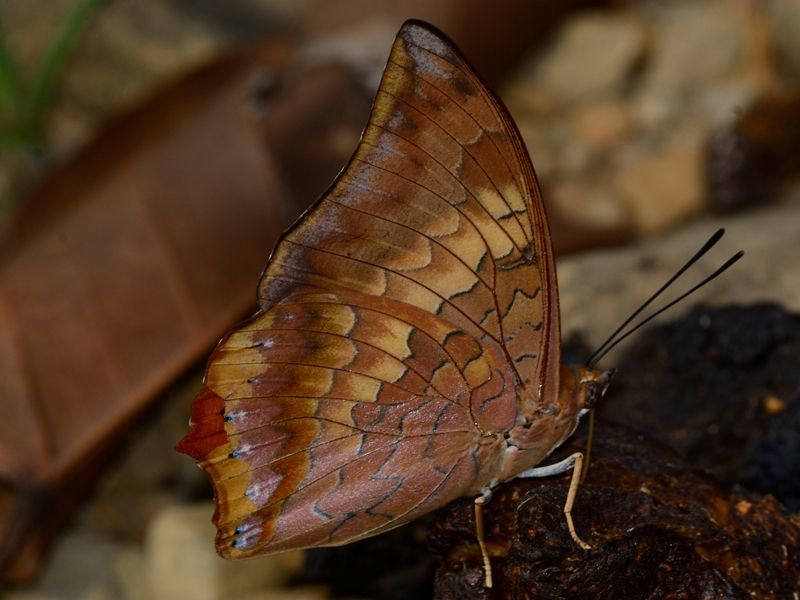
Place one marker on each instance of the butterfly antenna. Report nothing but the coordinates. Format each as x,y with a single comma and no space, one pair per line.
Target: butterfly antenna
699,254
613,340
728,263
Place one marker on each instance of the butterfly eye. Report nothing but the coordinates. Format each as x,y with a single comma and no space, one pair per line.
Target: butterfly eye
593,391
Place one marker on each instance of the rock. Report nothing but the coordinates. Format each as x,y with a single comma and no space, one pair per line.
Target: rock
583,216
784,19
657,527
593,55
602,125
599,290
696,48
87,566
588,205
540,148
695,43
181,561
398,564
292,593
723,104
126,52
361,46
666,187
722,386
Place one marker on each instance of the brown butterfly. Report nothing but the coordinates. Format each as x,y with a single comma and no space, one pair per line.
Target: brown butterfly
406,352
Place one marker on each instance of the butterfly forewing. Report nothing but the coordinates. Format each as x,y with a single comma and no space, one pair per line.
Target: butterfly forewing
399,320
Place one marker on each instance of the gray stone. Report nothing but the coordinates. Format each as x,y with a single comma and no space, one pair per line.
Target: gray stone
600,289
592,55
696,46
602,125
85,566
784,19
695,43
292,593
181,562
664,187
587,206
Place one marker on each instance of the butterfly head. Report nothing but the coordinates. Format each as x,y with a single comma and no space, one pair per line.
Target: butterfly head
592,386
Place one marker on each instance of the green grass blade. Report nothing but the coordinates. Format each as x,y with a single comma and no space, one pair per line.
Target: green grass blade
49,72
11,92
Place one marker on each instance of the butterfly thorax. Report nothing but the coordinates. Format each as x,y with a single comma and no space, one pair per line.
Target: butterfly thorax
554,420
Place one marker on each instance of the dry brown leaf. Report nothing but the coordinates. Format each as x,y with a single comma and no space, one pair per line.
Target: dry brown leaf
131,261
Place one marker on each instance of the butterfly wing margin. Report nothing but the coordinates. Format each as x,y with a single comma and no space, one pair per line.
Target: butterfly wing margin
332,417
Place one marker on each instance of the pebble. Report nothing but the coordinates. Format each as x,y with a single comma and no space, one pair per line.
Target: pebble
588,206
293,593
602,125
599,289
666,187
784,20
181,562
695,44
87,566
696,47
593,54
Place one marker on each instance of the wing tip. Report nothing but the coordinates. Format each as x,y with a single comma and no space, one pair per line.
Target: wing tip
422,33
412,25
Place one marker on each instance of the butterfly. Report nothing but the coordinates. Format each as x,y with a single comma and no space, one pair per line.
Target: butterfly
407,348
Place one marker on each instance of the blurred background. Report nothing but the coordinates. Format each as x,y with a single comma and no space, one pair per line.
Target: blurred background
151,153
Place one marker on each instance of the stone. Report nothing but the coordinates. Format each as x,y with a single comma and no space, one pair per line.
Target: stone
592,55
723,104
181,561
720,385
695,43
308,592
784,19
87,566
695,47
664,188
587,206
602,125
748,162
598,290
658,529
127,51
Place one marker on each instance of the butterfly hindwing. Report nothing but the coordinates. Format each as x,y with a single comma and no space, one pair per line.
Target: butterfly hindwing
343,414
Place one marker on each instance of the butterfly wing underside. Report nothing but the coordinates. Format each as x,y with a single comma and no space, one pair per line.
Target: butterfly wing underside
398,319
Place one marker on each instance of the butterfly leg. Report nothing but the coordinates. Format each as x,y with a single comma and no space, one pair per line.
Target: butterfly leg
574,462
486,495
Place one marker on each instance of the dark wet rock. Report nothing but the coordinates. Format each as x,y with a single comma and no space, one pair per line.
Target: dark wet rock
721,386
659,529
394,566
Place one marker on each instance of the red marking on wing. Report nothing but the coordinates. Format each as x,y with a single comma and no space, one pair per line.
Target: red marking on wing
206,428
